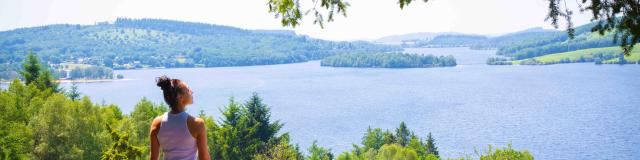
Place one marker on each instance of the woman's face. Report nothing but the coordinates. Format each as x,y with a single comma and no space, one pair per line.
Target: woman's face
187,95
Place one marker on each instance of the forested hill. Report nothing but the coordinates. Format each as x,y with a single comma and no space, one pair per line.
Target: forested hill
520,45
134,43
557,42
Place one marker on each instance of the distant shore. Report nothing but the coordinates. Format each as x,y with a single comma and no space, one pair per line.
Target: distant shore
90,80
78,80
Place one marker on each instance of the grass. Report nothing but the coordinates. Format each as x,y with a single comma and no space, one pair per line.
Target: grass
634,57
574,55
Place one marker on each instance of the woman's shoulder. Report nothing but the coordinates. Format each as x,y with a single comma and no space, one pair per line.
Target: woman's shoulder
158,120
196,121
196,126
155,125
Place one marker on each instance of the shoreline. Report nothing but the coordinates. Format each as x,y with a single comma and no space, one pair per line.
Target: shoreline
78,80
90,80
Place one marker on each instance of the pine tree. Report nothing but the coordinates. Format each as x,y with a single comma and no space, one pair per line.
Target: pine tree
121,149
319,153
259,117
73,92
388,137
431,145
261,130
34,72
403,135
30,68
374,139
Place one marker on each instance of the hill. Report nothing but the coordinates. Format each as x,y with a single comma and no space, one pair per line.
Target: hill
137,43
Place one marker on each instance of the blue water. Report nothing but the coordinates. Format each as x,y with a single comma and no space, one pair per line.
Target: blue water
567,111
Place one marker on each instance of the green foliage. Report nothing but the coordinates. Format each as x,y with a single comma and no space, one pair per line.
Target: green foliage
498,61
49,125
136,43
388,60
73,92
403,135
546,43
43,125
619,16
246,131
447,40
32,68
283,150
396,152
319,153
373,139
506,153
33,72
8,71
91,72
431,157
290,12
607,55
258,120
138,122
121,149
347,156
431,145
378,144
15,136
40,124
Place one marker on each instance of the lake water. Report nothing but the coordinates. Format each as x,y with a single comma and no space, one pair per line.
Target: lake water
567,111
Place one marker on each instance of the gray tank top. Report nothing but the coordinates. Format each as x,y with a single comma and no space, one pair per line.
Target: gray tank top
175,139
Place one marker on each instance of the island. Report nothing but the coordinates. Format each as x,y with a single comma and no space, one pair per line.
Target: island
388,60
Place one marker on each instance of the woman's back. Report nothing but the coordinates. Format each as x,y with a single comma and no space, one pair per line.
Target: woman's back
175,139
179,135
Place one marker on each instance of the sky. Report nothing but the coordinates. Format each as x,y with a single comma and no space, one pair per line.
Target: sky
366,19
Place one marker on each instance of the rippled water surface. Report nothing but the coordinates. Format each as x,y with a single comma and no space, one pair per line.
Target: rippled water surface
567,111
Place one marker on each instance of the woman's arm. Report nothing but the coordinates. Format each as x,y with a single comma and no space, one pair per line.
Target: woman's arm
153,136
201,140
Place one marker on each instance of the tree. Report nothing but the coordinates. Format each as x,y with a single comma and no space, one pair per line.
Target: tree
388,137
374,138
505,153
431,157
417,145
431,145
246,131
347,156
619,16
121,149
283,150
258,122
46,81
396,152
16,140
403,135
319,153
140,119
31,68
73,92
33,72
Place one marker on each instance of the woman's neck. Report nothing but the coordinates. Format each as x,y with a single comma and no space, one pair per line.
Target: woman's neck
177,109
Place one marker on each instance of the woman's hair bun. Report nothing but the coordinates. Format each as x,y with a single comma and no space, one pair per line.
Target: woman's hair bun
164,82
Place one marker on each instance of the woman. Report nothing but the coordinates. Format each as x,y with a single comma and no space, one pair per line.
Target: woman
180,135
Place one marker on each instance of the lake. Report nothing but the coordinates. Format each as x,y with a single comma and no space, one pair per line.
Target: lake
565,111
